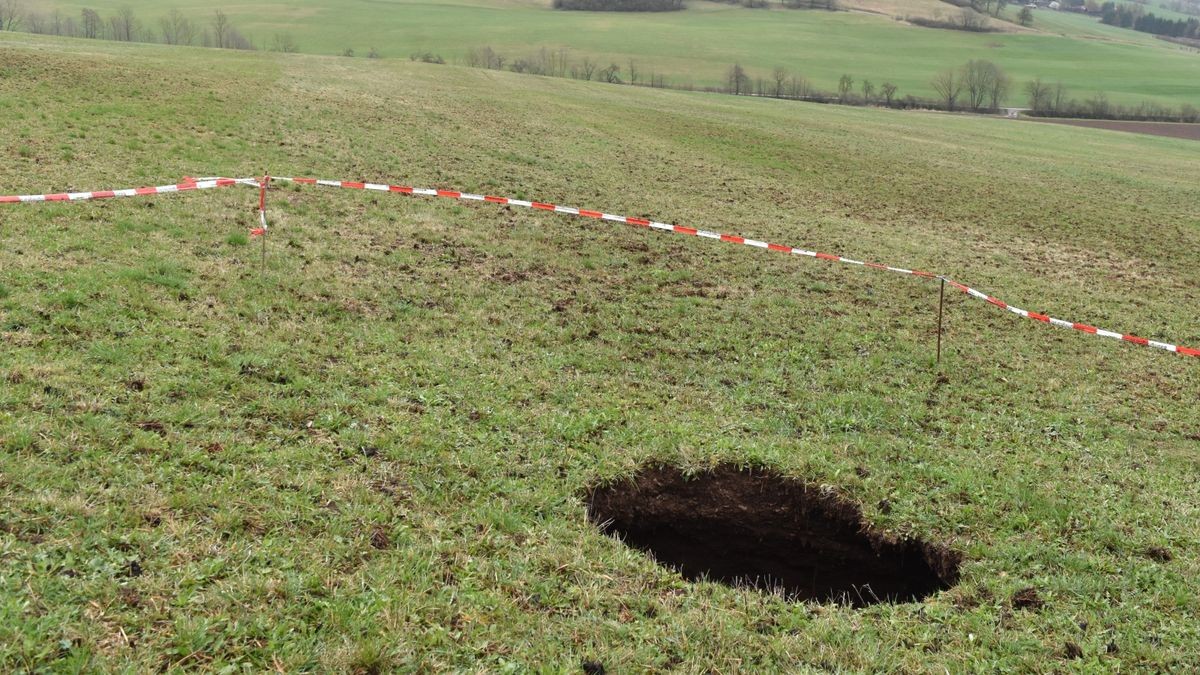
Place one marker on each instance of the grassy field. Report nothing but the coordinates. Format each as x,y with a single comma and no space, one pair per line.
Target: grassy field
699,45
371,455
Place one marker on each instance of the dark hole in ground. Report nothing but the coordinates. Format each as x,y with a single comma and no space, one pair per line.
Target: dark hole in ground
755,528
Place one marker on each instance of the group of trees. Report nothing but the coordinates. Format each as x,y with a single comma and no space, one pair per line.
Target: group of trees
1052,100
1126,16
992,8
673,5
976,85
973,16
968,19
831,5
557,63
174,28
781,84
1046,98
1184,6
620,5
11,14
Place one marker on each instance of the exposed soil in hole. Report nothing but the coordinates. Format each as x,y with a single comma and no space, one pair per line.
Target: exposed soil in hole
755,528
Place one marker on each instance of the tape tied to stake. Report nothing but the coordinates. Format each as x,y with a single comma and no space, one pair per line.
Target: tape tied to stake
217,181
261,230
735,239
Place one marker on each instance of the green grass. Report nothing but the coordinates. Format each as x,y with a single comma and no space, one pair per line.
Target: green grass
369,455
698,46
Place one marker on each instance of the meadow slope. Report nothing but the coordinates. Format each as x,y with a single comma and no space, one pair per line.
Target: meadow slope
370,455
697,46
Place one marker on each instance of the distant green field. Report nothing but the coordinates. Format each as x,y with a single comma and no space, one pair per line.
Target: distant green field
698,46
370,456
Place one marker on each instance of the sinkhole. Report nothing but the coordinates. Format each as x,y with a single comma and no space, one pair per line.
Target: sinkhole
759,529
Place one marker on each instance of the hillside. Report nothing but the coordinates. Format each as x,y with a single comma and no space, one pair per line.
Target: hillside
696,47
372,454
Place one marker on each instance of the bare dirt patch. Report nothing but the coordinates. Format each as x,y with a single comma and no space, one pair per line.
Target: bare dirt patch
1170,129
755,528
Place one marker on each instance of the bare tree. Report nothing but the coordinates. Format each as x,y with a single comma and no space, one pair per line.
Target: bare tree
977,78
888,90
1058,97
284,42
559,61
737,82
1001,83
123,25
798,87
780,75
1025,17
845,84
948,85
611,74
220,29
868,91
633,72
12,13
587,68
1039,94
177,29
90,20
971,20
485,57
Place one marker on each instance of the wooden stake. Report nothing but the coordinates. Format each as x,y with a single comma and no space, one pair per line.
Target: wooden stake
262,220
941,306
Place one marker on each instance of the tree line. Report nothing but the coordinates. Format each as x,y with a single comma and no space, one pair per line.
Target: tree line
675,5
1184,6
620,5
977,86
1138,19
173,28
1053,100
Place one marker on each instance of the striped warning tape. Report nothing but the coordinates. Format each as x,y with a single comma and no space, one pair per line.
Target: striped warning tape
1082,327
600,215
214,182
187,184
731,238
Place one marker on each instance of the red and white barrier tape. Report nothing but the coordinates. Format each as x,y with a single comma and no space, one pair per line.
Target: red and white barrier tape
1082,327
187,184
734,239
261,184
599,215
